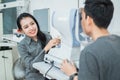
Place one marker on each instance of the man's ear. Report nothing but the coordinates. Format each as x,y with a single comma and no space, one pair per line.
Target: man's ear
89,22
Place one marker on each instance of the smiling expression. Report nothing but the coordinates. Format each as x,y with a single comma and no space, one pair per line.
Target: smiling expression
29,27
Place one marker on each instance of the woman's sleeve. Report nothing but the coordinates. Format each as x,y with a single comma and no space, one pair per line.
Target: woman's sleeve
24,54
27,58
42,53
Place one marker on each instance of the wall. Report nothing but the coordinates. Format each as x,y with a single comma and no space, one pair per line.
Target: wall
1,24
9,18
68,4
115,23
53,5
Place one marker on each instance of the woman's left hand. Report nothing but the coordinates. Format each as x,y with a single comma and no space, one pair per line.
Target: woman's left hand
52,43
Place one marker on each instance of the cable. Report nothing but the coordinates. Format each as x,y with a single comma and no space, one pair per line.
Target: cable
52,64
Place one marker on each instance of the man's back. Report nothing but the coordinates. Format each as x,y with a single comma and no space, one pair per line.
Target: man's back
101,60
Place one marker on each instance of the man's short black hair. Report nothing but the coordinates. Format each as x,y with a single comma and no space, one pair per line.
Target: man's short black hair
101,11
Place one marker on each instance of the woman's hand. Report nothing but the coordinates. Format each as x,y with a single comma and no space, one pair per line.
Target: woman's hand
52,43
68,67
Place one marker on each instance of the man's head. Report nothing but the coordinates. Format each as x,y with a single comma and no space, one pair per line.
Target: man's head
101,11
96,16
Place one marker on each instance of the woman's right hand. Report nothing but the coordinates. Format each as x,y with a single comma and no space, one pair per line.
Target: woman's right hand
52,43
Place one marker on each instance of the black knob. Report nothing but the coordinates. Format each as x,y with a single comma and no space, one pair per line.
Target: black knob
4,57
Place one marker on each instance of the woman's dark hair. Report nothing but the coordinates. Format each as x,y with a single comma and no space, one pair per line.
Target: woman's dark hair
101,11
41,36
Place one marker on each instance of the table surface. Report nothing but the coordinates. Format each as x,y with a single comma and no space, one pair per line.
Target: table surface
53,73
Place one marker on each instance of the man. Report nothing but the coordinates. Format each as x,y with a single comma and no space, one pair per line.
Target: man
99,60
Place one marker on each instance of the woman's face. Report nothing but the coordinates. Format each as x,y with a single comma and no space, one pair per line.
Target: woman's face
29,27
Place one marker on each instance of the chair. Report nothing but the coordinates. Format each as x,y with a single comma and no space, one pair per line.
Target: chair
18,70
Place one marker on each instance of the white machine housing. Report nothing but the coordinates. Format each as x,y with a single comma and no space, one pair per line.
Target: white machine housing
69,48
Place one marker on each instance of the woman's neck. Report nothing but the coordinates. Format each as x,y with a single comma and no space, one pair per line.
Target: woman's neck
35,38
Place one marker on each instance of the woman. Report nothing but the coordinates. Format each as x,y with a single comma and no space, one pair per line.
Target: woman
34,46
